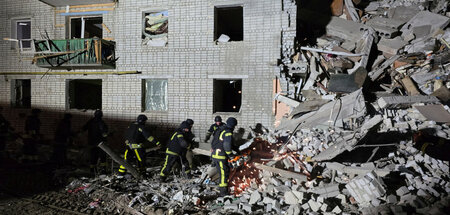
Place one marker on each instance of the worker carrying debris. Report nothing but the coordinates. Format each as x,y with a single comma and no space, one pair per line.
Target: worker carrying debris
221,149
192,143
136,137
176,151
32,135
97,132
214,127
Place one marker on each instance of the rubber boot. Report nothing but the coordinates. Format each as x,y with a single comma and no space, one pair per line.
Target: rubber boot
223,191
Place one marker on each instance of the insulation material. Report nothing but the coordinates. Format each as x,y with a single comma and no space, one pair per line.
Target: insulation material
155,28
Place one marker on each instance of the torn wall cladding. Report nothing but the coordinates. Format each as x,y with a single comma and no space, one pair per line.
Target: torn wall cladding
155,28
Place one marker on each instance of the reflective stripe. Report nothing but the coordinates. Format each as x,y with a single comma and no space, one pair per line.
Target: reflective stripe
164,167
125,156
150,139
223,183
171,153
137,155
180,135
122,169
220,137
424,146
187,171
228,134
136,146
228,152
173,136
140,129
217,156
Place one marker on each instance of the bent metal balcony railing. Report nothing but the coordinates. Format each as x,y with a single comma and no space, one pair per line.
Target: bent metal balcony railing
91,53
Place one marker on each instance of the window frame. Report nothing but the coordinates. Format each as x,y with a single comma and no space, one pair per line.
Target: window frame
68,94
69,23
14,33
144,94
214,106
154,10
14,103
215,33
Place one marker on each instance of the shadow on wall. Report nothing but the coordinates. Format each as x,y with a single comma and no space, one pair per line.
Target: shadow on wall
51,118
117,127
312,18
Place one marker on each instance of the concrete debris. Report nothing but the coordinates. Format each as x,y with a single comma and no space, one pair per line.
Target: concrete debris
366,133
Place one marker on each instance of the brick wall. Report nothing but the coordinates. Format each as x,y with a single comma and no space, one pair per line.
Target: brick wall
190,62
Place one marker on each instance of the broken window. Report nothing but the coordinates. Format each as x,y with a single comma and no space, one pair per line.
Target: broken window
21,30
84,94
154,94
228,24
21,93
155,28
86,27
227,95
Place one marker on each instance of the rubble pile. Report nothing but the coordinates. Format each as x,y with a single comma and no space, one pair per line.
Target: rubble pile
367,130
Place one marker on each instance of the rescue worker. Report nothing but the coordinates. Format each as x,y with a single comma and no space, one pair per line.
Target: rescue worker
97,132
63,135
221,147
190,138
214,127
5,128
175,151
32,135
136,137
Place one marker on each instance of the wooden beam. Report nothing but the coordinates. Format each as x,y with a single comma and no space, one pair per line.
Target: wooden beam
106,28
282,172
119,160
94,5
87,10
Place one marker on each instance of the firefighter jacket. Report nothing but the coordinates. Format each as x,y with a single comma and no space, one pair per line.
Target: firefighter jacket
177,143
212,130
137,135
97,130
222,143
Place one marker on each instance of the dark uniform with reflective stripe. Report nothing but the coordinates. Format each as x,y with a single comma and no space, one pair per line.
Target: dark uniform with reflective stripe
212,130
97,132
221,150
136,135
175,151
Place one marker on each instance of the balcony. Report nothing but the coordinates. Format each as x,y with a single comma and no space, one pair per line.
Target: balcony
63,3
92,53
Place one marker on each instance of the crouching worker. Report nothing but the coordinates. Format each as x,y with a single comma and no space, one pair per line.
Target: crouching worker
176,151
137,138
221,147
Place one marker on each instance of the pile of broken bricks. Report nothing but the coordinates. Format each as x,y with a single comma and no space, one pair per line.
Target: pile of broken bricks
346,146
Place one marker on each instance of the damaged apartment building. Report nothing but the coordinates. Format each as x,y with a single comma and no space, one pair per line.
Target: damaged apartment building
170,60
342,105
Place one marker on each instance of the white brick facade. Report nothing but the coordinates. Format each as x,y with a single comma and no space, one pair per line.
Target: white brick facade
190,62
